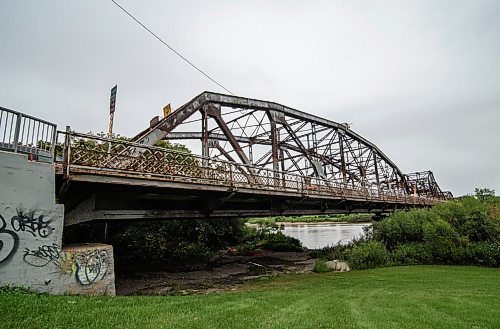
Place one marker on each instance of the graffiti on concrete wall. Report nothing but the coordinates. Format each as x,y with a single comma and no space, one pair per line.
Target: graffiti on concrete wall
91,266
88,266
9,241
44,255
21,222
31,224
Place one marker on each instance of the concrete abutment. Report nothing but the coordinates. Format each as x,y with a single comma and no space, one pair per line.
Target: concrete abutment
31,230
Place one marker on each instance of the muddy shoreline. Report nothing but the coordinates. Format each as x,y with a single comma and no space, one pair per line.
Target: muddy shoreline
226,272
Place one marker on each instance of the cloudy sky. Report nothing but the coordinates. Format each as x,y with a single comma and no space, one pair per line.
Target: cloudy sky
420,79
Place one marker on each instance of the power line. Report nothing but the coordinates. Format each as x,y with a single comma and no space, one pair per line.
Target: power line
171,48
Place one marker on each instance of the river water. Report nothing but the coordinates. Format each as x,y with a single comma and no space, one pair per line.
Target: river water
319,235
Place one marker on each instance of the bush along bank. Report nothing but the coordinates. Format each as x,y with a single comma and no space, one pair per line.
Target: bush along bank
462,231
181,244
268,236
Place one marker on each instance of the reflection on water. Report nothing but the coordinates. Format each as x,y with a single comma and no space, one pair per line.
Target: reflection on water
319,235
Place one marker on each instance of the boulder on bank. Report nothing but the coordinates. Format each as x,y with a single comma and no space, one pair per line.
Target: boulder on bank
338,266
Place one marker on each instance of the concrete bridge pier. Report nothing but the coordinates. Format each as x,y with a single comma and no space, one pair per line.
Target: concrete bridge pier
31,228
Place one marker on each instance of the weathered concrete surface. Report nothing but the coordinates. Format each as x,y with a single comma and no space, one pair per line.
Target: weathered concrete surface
92,269
31,227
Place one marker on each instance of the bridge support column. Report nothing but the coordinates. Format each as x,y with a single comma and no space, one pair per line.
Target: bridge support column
31,228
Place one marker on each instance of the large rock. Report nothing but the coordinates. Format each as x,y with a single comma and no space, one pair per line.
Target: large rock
338,266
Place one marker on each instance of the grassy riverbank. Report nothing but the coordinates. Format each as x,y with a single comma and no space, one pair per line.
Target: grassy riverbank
349,218
394,297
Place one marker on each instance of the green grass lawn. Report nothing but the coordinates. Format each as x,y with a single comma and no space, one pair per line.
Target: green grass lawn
396,297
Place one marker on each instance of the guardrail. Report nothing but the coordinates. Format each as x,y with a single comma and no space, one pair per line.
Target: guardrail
98,155
23,133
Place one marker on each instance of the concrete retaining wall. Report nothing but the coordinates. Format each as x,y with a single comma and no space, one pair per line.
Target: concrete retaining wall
31,227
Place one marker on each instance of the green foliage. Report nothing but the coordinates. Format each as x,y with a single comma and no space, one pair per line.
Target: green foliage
484,193
461,231
442,242
483,253
269,236
321,267
338,251
179,243
472,217
281,242
369,254
16,291
158,244
173,146
410,253
402,227
350,218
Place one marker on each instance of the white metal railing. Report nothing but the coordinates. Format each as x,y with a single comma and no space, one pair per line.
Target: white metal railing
23,133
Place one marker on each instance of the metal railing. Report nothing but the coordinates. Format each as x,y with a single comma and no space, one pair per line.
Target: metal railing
25,134
98,155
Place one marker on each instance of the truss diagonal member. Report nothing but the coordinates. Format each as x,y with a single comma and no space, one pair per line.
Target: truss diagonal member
294,118
251,178
273,117
213,111
317,167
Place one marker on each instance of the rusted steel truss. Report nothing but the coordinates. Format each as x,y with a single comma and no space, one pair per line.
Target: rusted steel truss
268,136
423,184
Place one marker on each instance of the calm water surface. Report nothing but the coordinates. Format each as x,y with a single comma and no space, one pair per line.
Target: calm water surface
319,235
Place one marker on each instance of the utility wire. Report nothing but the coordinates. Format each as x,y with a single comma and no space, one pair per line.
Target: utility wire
171,48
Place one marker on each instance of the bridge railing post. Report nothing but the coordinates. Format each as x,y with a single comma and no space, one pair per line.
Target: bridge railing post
66,151
53,143
17,130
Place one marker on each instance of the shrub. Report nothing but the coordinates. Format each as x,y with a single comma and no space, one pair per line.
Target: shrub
338,251
484,253
269,236
321,267
368,254
157,244
402,227
280,242
442,243
473,217
410,254
461,231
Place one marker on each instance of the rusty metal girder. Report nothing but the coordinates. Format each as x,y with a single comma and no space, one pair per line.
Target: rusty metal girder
283,139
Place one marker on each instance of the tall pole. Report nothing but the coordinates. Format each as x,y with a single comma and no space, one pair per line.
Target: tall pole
112,103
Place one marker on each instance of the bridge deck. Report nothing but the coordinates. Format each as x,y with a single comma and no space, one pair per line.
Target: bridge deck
106,182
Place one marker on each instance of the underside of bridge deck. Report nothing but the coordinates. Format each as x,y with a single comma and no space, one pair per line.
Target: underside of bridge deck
115,201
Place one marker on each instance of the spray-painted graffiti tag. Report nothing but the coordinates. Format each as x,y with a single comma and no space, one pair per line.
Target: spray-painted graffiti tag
44,255
8,241
91,266
30,223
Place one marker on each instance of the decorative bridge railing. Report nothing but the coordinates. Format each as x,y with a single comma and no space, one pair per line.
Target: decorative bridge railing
87,154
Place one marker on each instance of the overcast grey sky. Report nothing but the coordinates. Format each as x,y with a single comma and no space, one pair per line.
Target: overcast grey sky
420,79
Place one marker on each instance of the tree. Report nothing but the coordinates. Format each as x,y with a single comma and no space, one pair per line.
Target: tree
484,194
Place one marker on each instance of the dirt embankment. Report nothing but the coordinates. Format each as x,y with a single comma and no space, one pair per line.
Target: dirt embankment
226,272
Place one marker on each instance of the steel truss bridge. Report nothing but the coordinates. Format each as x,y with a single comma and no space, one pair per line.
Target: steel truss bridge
258,158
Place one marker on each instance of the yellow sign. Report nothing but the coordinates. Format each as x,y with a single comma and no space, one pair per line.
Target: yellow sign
167,110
